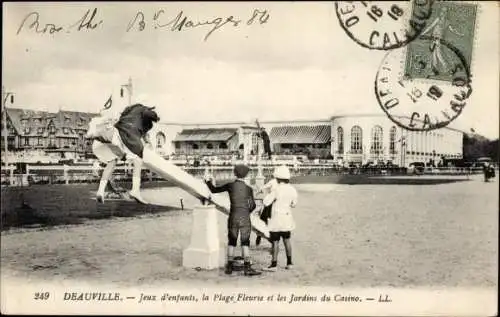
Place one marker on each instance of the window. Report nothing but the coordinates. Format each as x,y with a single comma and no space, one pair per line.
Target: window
377,137
356,140
223,145
27,130
65,130
177,145
40,141
40,130
195,146
392,140
52,129
160,140
210,146
24,122
52,141
26,141
340,140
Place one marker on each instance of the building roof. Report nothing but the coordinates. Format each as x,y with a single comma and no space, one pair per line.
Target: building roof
305,134
37,123
205,135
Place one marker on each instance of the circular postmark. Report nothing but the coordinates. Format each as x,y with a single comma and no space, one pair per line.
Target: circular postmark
423,86
383,25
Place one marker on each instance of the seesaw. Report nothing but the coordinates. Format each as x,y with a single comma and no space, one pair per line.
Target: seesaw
194,186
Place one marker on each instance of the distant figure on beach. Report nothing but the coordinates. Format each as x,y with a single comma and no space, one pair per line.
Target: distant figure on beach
488,171
267,142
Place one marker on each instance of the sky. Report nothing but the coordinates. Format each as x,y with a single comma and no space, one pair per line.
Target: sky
299,64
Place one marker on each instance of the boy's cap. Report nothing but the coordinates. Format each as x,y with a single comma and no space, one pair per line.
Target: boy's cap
241,171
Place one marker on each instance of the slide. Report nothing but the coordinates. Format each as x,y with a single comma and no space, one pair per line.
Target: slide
194,186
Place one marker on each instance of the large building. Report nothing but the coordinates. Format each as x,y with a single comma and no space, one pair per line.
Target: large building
364,138
60,134
298,138
356,139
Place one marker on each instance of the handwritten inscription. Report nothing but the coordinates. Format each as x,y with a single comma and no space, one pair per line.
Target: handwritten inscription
87,22
90,20
182,22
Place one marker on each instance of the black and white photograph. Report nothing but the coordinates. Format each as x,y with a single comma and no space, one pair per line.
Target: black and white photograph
250,158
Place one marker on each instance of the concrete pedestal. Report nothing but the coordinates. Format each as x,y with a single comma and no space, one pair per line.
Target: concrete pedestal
204,251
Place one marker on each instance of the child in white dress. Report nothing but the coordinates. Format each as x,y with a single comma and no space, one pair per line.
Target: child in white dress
281,223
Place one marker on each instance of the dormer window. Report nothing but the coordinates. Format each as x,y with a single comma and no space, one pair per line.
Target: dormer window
40,130
27,130
65,130
52,129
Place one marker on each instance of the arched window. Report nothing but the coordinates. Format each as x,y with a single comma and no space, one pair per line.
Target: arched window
377,139
160,140
392,140
210,146
340,140
356,140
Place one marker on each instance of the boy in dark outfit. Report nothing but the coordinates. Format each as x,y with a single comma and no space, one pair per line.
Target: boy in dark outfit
242,204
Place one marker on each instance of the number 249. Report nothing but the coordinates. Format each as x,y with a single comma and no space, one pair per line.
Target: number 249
42,296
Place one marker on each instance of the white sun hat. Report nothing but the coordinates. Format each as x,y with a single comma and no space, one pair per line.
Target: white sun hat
282,172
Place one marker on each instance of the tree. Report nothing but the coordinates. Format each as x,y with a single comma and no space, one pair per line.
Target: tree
476,146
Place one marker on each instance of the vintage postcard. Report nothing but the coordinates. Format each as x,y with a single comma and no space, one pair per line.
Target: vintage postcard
250,158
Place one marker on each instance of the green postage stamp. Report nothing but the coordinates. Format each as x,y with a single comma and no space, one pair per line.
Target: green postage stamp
452,23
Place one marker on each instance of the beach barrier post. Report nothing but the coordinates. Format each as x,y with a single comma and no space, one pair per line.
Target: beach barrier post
204,249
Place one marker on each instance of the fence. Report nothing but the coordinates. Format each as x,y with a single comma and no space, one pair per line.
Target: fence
66,174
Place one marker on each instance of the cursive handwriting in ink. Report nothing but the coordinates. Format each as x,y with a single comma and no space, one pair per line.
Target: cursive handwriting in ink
263,16
34,18
32,22
181,22
139,16
86,23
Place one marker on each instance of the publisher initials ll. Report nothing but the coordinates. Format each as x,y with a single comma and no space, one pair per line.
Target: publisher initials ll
384,298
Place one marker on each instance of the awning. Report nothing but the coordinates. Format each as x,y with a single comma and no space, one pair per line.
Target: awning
205,135
318,134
